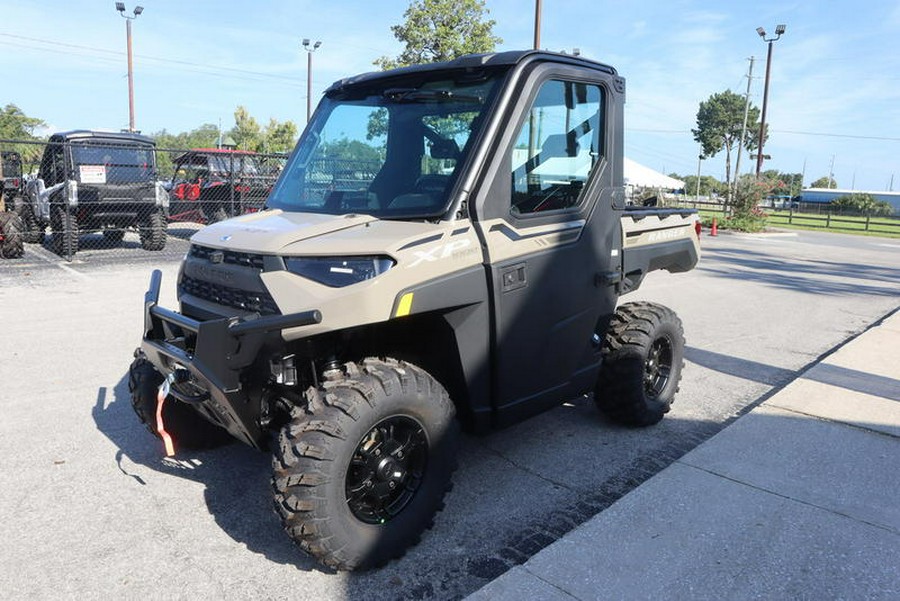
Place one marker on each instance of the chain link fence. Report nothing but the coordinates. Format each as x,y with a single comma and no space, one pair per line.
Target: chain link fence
104,196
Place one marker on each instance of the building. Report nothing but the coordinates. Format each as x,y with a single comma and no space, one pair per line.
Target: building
826,195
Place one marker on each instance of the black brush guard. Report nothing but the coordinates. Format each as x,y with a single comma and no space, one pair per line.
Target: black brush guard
222,348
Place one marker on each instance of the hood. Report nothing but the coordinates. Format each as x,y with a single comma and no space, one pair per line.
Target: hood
270,231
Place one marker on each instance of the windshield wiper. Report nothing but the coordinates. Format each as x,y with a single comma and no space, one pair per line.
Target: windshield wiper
419,95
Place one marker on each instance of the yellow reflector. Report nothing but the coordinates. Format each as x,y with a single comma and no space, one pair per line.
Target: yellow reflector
405,305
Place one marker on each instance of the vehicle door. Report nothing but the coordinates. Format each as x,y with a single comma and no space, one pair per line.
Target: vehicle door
551,235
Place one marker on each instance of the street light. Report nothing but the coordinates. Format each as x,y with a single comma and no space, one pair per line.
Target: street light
120,6
699,160
779,31
309,52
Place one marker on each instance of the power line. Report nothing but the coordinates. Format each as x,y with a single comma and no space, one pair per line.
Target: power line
776,131
813,133
154,58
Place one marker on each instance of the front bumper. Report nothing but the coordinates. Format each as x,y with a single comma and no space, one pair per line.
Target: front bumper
206,359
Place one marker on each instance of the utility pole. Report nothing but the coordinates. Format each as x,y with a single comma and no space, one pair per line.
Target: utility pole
802,177
699,160
831,174
537,24
779,30
737,163
120,6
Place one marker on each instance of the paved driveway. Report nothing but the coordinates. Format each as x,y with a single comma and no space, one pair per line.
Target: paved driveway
90,509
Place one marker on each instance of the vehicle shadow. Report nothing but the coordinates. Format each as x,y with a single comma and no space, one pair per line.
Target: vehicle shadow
803,275
455,556
235,478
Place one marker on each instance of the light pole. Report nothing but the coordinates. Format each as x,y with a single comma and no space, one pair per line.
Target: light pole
699,160
309,52
779,30
537,24
120,6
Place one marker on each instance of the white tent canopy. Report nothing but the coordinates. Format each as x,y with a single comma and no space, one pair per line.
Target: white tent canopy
645,177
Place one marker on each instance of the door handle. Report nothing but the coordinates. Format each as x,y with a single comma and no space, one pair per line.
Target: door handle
513,278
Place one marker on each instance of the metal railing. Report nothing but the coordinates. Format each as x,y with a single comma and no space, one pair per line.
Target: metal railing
808,215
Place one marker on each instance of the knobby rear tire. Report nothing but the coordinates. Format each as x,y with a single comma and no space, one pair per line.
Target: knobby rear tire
153,231
32,232
65,232
11,242
643,356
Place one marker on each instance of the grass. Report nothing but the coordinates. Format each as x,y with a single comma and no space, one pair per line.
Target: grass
878,226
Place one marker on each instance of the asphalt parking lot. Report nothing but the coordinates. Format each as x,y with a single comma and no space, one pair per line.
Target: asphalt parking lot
91,509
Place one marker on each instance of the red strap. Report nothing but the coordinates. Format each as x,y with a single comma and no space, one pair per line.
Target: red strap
167,440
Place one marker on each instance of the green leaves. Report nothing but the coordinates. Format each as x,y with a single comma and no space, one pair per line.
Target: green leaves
16,125
719,123
441,30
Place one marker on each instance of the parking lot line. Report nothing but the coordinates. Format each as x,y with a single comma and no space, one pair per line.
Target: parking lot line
53,259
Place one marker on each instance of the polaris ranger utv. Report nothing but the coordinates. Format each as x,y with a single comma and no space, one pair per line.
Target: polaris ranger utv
97,181
471,276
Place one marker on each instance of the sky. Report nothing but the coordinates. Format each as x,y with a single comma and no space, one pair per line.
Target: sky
834,96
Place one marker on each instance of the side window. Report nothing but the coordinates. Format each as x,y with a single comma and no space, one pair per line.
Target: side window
558,147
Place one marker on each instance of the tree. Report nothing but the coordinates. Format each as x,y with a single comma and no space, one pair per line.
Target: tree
719,123
16,125
864,204
247,133
708,185
351,150
824,182
441,30
169,145
280,136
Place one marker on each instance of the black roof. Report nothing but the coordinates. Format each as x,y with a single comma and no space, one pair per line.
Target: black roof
112,136
472,61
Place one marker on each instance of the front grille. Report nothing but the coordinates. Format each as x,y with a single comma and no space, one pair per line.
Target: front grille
258,302
229,257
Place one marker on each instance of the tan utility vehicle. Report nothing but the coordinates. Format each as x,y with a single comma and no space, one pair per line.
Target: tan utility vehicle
446,245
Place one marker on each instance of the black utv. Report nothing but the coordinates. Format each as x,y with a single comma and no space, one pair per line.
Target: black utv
93,181
11,182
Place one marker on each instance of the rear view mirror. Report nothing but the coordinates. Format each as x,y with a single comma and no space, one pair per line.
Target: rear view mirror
443,148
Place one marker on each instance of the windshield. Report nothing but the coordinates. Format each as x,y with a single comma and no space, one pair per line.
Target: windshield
389,152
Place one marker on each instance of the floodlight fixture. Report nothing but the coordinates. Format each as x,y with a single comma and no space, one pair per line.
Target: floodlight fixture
120,6
138,10
761,32
779,29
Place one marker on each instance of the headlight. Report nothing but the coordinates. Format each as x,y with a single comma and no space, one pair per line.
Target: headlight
338,272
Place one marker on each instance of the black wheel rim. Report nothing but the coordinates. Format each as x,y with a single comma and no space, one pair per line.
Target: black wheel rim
386,469
658,367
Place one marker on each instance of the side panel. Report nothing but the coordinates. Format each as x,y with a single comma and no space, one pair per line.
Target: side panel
461,301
